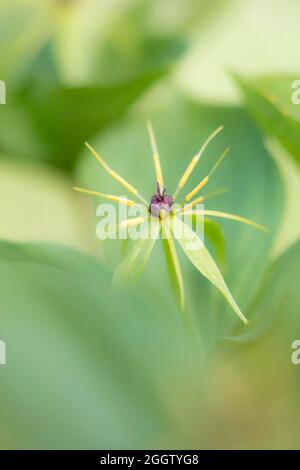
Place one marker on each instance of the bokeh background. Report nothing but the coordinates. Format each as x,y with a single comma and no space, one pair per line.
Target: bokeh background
92,367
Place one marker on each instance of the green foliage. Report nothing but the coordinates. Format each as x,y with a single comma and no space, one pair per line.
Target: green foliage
276,306
270,101
202,260
53,116
90,365
82,359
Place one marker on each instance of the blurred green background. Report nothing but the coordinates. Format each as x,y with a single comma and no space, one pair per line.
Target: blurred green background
92,367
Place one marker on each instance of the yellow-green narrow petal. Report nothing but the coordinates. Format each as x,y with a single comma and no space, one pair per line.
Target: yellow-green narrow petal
191,166
115,175
155,156
226,215
108,197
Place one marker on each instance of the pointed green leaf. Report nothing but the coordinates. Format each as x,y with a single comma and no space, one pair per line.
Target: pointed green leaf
134,263
214,234
199,256
173,262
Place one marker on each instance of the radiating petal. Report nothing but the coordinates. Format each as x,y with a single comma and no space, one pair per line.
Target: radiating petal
199,200
155,157
109,197
115,175
205,180
191,166
226,215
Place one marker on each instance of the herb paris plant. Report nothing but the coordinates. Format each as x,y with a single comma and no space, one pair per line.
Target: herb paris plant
166,218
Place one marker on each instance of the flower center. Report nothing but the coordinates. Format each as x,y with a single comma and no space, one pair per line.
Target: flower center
160,202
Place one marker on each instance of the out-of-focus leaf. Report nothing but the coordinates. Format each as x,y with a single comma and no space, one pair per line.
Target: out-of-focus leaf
278,304
79,352
21,132
202,260
275,105
59,119
51,114
109,44
265,357
230,42
24,29
66,115
175,15
142,55
38,204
